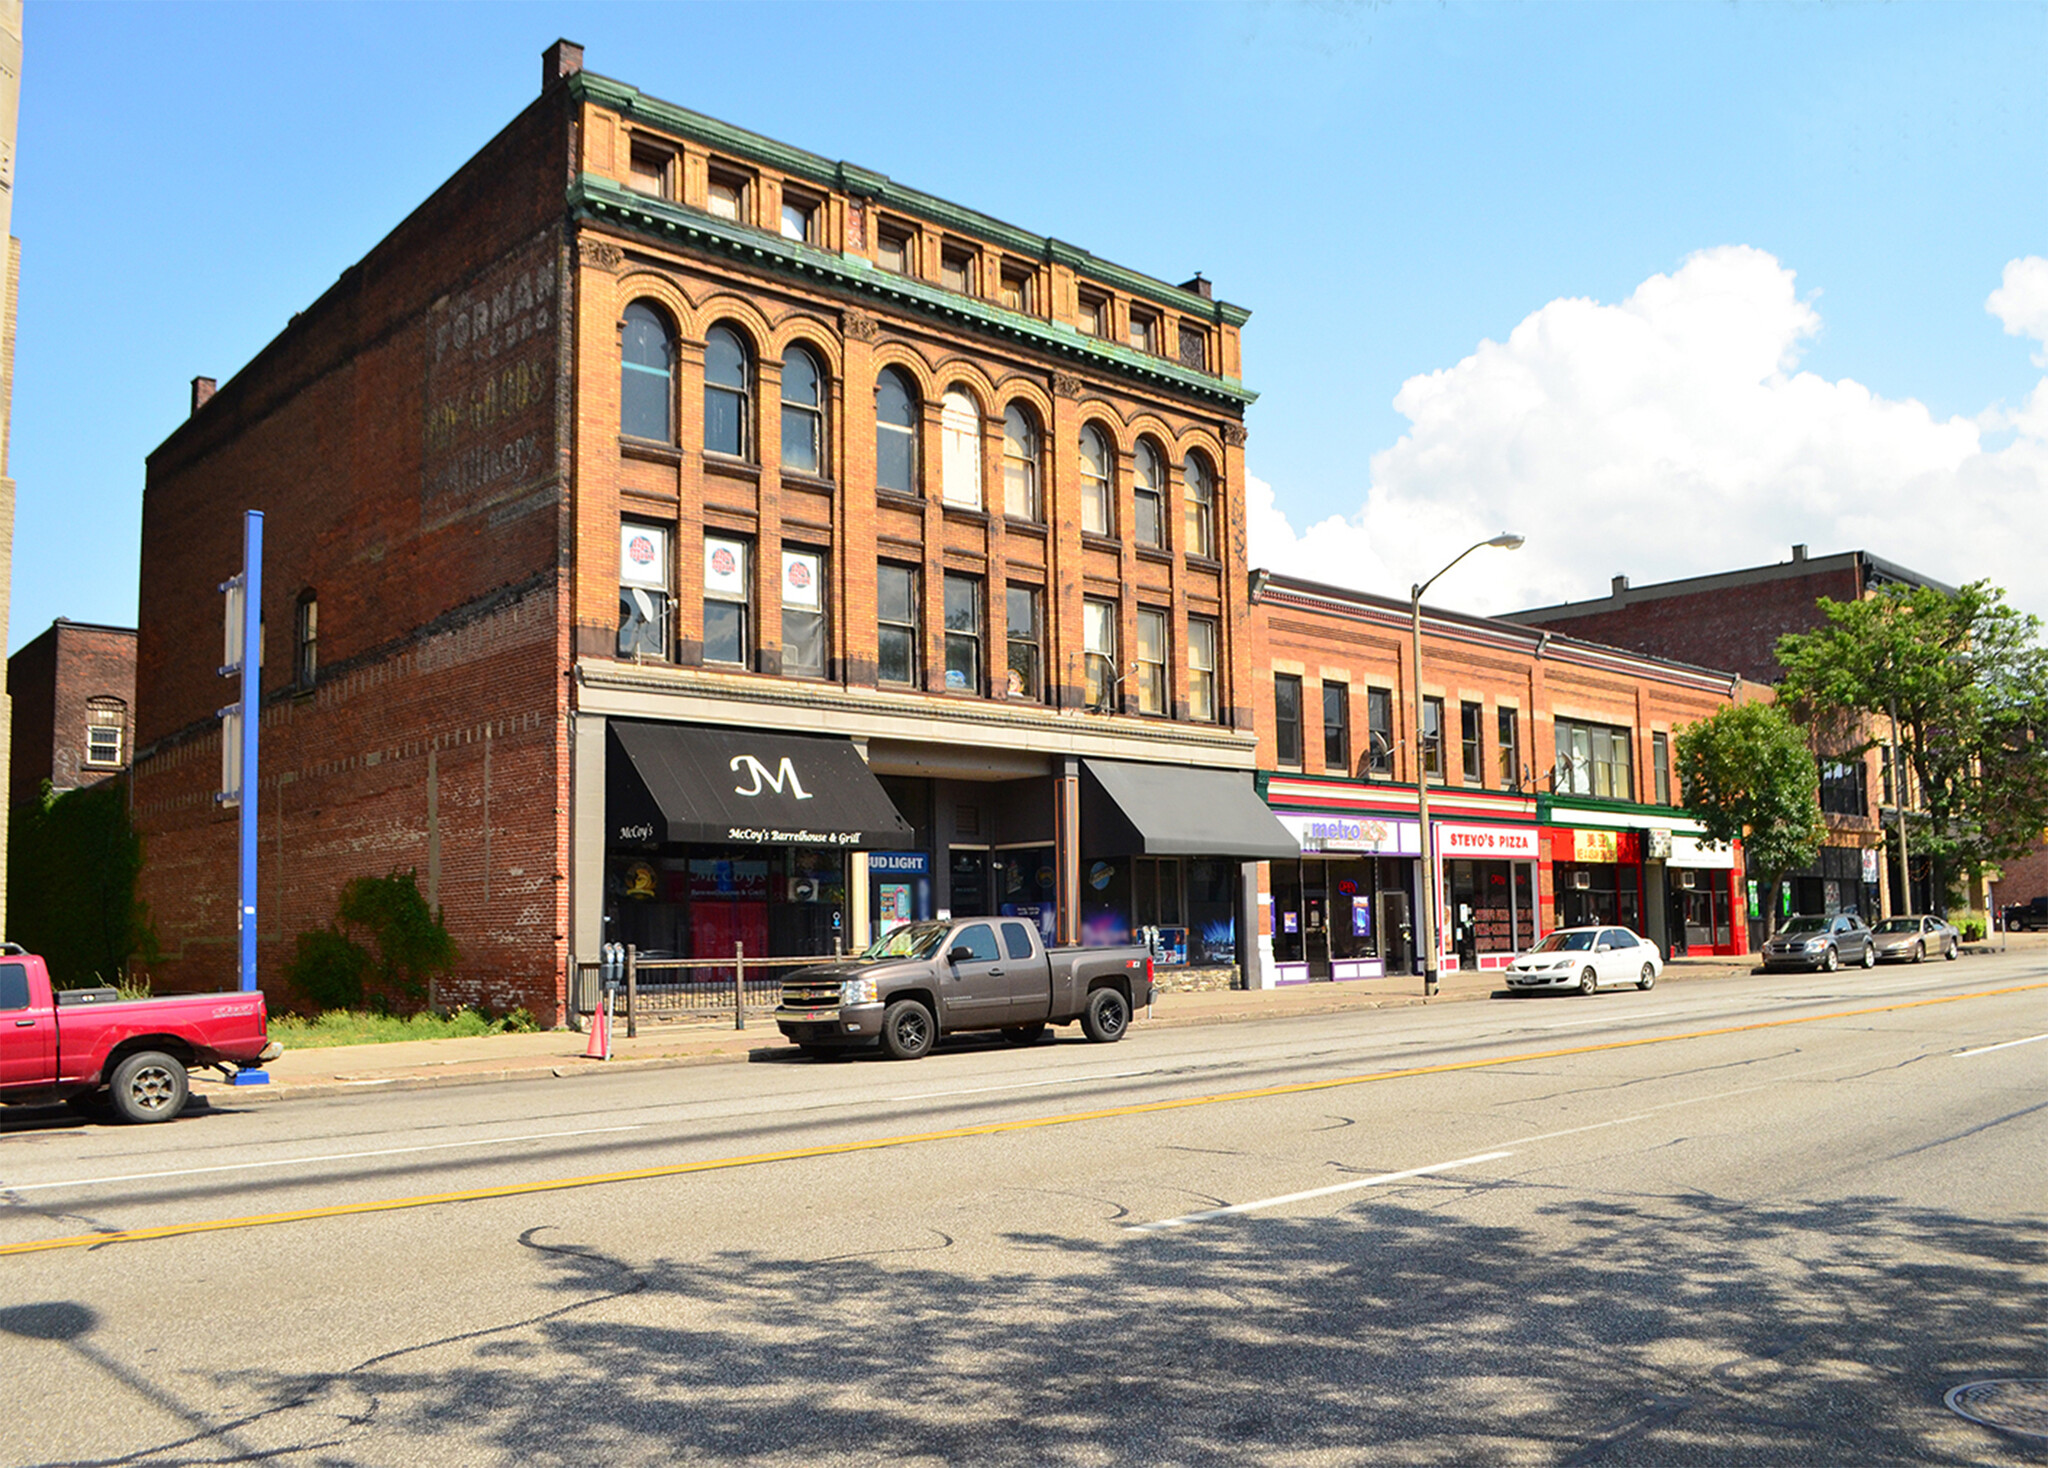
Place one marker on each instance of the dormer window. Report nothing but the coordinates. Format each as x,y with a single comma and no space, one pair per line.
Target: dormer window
650,171
1016,292
894,251
1145,332
956,269
727,198
1093,318
799,219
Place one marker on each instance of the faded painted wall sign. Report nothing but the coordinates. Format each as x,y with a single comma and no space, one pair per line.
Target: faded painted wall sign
491,382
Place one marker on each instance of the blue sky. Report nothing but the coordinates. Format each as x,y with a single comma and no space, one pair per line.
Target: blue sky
1388,188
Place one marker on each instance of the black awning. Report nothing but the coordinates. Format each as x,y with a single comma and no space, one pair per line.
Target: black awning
746,787
1172,810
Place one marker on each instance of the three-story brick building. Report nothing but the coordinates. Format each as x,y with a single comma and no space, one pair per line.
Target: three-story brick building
679,538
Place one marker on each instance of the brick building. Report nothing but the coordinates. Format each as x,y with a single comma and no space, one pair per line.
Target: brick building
73,695
1734,619
1552,799
734,546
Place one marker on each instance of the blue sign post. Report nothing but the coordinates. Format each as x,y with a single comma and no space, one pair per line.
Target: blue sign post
240,722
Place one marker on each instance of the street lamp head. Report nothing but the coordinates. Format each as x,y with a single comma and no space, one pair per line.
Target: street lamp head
1507,540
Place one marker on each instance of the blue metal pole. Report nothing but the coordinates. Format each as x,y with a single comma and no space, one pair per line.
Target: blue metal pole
252,699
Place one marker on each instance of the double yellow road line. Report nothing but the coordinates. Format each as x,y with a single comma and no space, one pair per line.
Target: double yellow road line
986,1129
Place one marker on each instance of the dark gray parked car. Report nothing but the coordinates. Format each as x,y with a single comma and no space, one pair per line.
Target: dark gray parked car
1824,943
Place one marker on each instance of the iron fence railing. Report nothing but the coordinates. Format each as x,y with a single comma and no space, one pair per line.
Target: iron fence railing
681,988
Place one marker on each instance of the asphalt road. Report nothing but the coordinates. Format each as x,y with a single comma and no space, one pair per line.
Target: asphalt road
1760,1221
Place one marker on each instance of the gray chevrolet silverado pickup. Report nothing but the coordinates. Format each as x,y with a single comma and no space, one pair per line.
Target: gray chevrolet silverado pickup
924,980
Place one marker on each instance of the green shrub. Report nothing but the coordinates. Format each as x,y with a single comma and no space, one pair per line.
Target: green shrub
1971,925
411,946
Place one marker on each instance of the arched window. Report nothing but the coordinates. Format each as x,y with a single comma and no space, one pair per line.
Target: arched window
1097,493
647,360
960,450
803,412
1148,495
726,382
1198,505
1020,464
895,432
306,639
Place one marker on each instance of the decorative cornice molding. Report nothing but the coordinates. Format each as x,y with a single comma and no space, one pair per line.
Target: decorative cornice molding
863,183
1067,385
600,254
597,198
859,326
1234,435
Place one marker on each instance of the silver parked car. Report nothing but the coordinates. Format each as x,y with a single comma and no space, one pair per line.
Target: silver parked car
1586,959
1911,939
1825,943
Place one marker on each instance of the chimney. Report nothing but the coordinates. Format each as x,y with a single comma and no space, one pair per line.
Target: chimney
1200,287
564,58
202,389
1798,552
1620,585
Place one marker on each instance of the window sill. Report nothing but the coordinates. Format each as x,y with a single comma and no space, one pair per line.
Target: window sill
1203,563
1091,541
1157,554
651,450
800,480
1033,528
966,513
899,499
730,468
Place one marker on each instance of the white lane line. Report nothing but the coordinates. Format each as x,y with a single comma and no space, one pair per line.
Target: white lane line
137,1177
1987,1049
1079,1080
1285,1198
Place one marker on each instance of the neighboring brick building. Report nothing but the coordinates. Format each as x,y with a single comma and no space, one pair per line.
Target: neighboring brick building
1735,618
73,691
618,543
1554,807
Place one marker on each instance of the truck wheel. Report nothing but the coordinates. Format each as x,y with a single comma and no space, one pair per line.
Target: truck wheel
149,1086
907,1030
1023,1034
1107,1017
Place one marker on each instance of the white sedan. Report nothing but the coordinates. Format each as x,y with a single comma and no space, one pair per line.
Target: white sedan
1587,959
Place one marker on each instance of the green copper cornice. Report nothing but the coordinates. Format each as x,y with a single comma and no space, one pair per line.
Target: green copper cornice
592,197
863,183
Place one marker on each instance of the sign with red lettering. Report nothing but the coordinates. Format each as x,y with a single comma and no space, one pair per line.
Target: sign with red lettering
1490,843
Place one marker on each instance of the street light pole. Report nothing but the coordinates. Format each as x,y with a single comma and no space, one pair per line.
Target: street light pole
1506,541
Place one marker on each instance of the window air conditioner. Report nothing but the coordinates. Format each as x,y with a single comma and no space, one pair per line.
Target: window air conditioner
1688,880
1583,881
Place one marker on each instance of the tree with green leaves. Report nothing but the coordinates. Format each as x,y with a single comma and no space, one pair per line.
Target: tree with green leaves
73,858
411,947
1747,774
1965,679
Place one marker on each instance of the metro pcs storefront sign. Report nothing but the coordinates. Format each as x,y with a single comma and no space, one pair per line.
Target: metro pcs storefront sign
1489,843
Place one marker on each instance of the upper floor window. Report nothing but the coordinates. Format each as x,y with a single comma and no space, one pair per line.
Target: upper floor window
1145,332
895,432
1150,664
960,450
896,659
306,639
1016,292
1198,506
1287,718
1026,635
1471,733
1379,731
799,219
956,269
1093,314
1509,743
727,196
1593,759
895,249
803,613
1020,464
1337,726
803,412
726,384
106,727
1098,640
1843,787
1433,738
1148,495
1194,347
1660,767
1202,669
647,371
643,590
728,600
1097,493
650,170
963,633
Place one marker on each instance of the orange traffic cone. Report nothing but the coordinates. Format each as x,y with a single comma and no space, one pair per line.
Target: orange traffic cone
600,1046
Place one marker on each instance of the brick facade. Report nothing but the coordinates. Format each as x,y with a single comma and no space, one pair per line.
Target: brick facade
72,678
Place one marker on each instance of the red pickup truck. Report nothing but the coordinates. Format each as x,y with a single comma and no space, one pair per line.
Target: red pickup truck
73,1044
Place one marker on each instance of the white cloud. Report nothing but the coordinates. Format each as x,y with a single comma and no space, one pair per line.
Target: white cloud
1674,435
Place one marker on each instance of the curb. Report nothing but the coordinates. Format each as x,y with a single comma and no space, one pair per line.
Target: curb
724,1052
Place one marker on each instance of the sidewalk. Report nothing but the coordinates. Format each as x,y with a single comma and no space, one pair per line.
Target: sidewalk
411,1065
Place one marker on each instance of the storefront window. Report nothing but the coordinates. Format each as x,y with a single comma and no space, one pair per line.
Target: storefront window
703,901
1027,886
1591,893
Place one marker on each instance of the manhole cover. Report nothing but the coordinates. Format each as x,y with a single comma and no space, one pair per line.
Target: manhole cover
2011,1406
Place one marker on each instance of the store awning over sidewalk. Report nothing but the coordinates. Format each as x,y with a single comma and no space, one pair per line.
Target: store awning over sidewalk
743,787
1170,810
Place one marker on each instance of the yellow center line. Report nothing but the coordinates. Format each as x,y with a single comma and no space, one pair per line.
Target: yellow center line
984,1129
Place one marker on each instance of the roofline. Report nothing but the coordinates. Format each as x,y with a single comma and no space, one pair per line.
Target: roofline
865,183
1861,561
1495,632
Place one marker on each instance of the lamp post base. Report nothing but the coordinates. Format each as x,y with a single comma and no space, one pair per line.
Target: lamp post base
1429,984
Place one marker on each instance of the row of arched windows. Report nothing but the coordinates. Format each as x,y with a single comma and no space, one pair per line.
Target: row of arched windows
647,411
